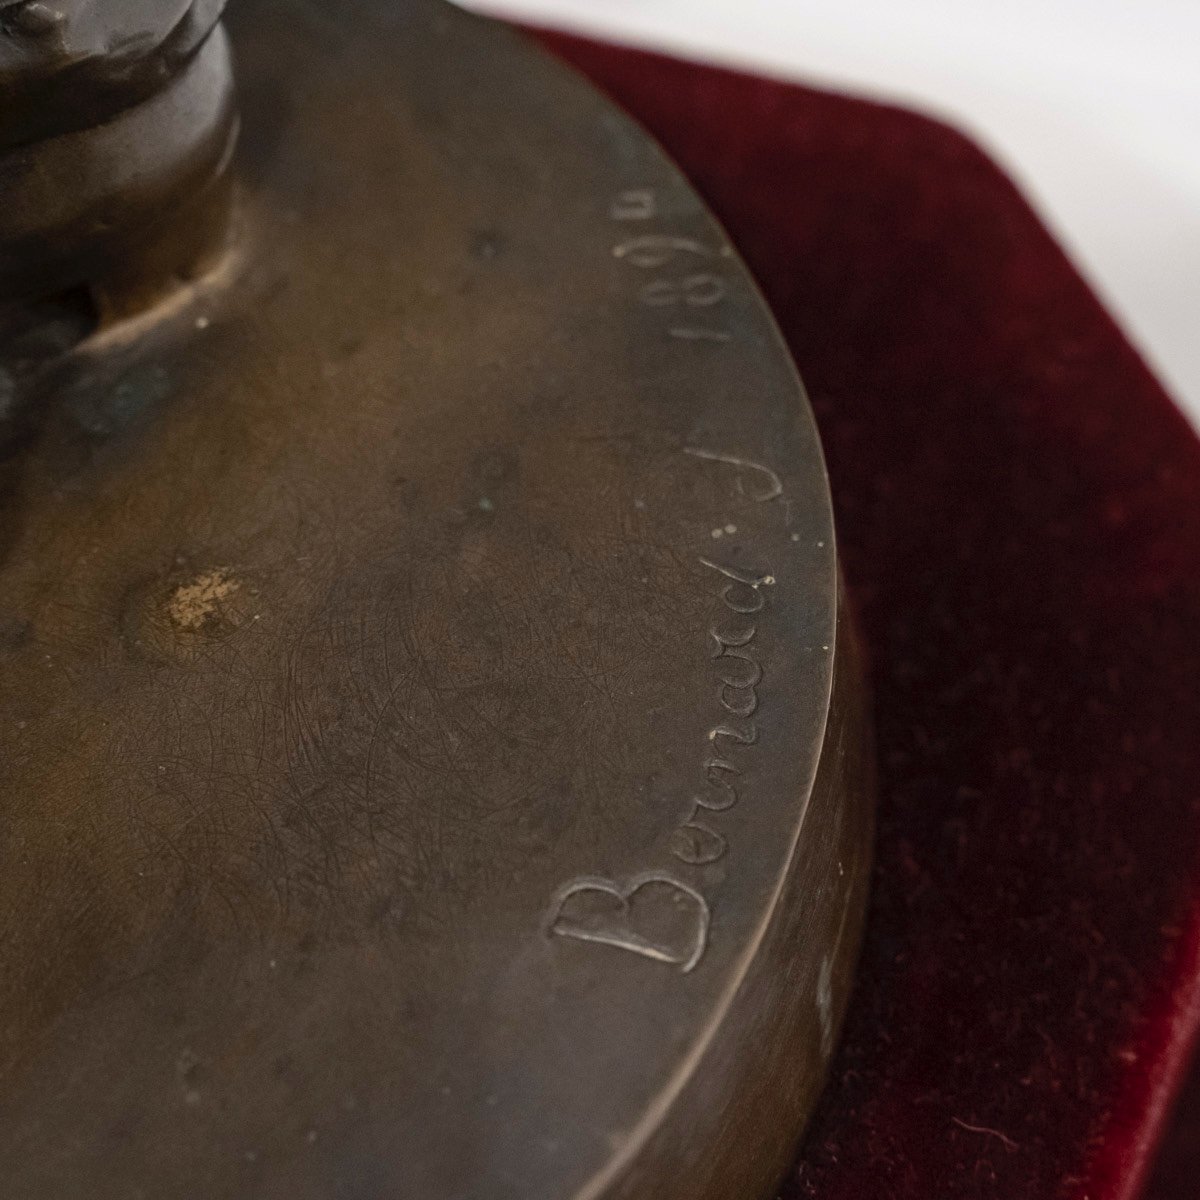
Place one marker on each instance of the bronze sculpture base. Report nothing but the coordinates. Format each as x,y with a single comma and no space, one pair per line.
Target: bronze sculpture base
435,760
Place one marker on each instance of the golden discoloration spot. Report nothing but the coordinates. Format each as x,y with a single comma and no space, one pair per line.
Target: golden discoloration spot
193,604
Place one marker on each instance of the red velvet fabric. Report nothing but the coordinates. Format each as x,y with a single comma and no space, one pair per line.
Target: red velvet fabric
1019,515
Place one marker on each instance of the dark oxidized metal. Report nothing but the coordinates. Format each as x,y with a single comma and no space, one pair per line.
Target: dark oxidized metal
432,753
117,123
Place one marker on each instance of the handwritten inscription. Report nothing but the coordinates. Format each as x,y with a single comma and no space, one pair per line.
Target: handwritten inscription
696,844
738,676
686,275
636,204
655,914
766,484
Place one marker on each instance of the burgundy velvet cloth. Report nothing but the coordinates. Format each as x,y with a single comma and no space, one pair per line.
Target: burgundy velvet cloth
1019,514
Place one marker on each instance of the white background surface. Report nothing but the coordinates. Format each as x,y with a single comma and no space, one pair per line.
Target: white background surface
1093,105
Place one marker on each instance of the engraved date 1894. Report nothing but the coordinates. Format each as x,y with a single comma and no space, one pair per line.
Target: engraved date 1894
684,279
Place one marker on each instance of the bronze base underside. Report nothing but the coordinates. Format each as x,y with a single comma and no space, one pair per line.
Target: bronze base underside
434,757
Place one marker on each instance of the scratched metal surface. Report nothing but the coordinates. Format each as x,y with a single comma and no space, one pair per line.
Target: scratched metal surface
433,760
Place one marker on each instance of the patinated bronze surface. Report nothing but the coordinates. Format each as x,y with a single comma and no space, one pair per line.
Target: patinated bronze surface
117,123
434,758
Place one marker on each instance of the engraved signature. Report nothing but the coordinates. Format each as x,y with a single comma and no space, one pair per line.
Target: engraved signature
769,485
738,675
654,914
